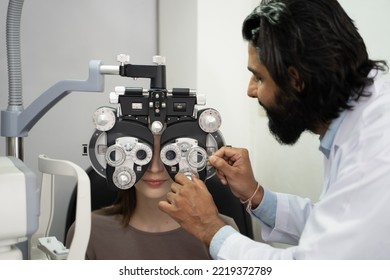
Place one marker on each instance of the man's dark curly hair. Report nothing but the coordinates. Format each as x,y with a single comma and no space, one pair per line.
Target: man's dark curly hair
319,40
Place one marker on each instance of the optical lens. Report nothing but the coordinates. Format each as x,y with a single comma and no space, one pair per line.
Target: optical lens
170,155
141,154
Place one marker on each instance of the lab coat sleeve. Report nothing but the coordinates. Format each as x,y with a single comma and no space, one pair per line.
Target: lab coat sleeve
290,218
349,222
239,247
291,215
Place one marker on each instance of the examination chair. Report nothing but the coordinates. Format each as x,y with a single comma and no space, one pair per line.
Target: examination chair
225,201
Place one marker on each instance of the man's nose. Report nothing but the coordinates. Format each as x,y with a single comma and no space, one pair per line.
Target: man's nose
252,88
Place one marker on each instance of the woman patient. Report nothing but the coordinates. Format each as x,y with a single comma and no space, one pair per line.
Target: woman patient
134,228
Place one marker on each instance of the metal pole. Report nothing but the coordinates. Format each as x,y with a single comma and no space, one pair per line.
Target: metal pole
14,147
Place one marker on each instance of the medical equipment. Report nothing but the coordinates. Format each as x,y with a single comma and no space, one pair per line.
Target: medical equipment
19,215
43,246
121,147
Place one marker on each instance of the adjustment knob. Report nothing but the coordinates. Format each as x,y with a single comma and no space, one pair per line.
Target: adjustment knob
201,99
104,118
114,96
124,177
210,120
156,127
123,58
159,60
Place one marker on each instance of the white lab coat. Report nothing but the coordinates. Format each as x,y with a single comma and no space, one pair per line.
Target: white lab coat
351,220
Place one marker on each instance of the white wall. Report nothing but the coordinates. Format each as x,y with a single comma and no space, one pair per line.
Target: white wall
177,32
221,74
372,18
59,38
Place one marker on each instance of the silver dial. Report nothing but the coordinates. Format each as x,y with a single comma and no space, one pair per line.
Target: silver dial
210,120
170,154
104,118
115,155
124,177
197,158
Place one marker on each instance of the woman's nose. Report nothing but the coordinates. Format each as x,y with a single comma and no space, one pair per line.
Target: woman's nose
156,165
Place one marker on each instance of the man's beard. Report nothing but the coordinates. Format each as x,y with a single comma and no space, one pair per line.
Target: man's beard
287,119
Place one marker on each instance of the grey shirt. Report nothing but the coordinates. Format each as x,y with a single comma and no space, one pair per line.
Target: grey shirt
110,240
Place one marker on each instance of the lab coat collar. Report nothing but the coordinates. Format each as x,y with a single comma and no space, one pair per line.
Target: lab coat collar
327,139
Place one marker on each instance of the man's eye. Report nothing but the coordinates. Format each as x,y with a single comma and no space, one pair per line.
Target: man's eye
257,79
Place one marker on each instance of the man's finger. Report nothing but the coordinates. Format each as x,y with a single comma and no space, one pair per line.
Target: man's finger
175,187
166,207
220,164
198,182
226,151
181,178
170,198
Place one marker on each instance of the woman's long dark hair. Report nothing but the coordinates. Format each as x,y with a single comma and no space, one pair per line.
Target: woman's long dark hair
124,205
318,39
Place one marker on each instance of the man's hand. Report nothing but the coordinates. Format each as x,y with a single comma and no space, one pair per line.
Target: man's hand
192,206
234,169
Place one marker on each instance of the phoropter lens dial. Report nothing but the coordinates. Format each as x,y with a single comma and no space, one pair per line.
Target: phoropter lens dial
170,154
124,177
197,158
141,154
115,155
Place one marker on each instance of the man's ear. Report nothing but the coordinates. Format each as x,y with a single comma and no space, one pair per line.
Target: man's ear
295,82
